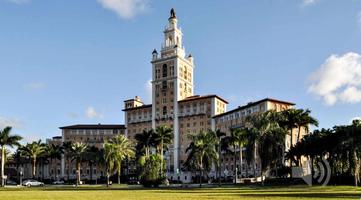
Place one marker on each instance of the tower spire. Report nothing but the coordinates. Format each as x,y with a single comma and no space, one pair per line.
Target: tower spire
172,14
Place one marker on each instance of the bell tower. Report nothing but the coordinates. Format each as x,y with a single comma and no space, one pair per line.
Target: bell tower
172,80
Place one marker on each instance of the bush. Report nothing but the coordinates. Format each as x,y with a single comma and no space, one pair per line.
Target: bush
151,171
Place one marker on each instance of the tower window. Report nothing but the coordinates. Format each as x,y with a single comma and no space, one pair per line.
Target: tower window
165,70
164,85
164,110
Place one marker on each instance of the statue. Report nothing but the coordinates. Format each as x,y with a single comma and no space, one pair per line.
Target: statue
172,13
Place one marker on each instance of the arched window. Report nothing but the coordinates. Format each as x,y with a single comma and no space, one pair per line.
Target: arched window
165,70
164,110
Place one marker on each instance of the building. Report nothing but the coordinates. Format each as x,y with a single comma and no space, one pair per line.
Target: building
173,101
93,135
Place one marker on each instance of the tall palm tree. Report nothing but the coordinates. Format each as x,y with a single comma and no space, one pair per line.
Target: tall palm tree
34,150
145,141
54,152
202,151
123,148
291,119
6,139
78,149
305,119
163,137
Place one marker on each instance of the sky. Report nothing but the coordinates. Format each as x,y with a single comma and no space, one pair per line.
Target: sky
75,61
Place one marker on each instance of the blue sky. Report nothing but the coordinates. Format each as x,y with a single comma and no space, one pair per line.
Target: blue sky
75,61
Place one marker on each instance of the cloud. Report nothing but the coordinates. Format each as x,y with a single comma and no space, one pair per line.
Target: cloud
125,8
359,18
15,123
19,2
91,113
148,91
309,2
338,79
34,86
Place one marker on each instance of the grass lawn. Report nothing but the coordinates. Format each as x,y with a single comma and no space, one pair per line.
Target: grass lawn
244,193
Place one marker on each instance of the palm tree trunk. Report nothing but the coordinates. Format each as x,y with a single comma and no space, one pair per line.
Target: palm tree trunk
91,171
201,173
2,166
241,159
161,157
78,173
219,166
69,163
107,179
254,160
299,133
235,164
34,167
119,171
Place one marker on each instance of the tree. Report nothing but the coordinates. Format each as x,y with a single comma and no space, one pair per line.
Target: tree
78,149
291,118
6,139
202,151
145,141
91,158
304,120
163,137
110,158
67,152
220,135
123,148
34,150
54,152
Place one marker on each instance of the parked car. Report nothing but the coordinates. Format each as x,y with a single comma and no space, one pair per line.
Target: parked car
58,182
31,183
10,182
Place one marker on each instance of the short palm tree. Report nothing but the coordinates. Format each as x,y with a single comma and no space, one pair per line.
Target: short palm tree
78,149
305,119
163,137
109,159
202,150
34,150
123,148
6,139
67,152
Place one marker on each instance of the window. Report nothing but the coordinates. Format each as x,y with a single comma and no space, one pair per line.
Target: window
164,85
165,70
164,110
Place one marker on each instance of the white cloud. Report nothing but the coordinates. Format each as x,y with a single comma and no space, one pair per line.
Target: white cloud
125,8
15,123
34,86
309,2
148,91
338,79
19,2
91,113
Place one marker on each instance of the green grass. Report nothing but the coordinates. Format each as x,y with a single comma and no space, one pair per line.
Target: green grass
123,192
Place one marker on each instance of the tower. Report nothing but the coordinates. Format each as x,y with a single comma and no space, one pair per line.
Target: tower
172,81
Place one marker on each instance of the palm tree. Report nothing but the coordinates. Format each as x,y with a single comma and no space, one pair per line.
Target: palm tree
91,158
291,118
78,149
123,148
145,141
305,119
54,152
220,135
202,151
34,150
6,139
68,151
110,158
163,137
